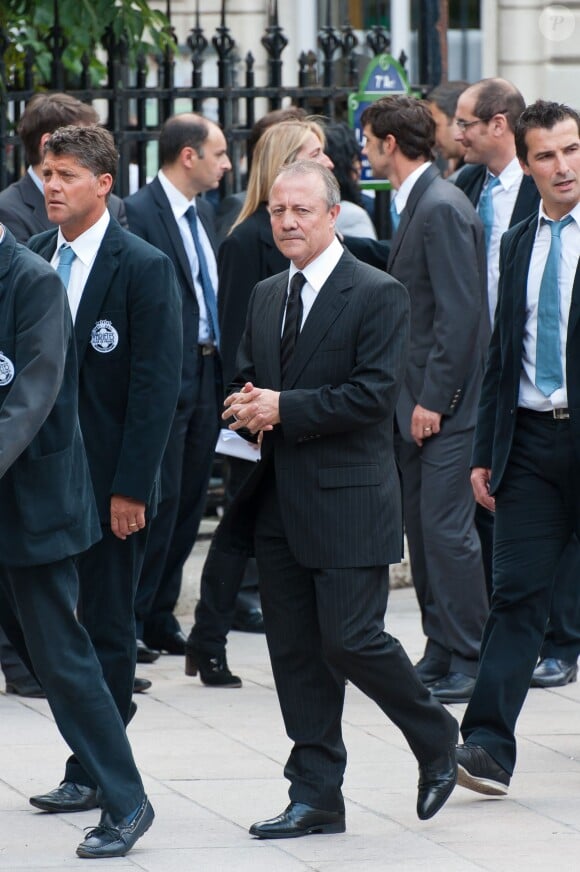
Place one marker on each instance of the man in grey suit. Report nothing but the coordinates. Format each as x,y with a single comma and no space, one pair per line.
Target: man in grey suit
438,253
319,370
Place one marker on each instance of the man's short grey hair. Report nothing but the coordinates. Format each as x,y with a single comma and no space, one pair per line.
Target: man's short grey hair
309,168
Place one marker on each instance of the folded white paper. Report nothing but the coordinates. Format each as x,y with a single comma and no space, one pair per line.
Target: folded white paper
230,443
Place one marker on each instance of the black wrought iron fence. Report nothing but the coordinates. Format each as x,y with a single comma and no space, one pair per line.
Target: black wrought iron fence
134,109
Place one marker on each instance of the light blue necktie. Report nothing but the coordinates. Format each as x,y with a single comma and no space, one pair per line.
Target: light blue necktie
395,218
485,207
209,294
66,257
548,357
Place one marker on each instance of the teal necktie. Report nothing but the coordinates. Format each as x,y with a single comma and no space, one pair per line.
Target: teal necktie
209,294
485,207
66,257
395,218
548,357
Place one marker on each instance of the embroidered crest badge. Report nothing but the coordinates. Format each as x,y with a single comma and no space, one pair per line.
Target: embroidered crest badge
6,370
104,337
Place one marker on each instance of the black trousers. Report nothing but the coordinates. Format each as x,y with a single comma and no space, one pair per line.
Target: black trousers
323,625
186,470
537,511
57,648
221,579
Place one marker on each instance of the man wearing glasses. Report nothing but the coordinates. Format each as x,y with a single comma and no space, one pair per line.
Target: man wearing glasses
486,116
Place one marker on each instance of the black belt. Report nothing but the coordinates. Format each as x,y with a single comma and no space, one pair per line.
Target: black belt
554,414
206,349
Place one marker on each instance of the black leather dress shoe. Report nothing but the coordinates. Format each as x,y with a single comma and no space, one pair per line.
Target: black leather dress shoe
455,687
67,797
477,770
27,687
213,671
429,669
140,685
172,643
437,780
299,819
248,621
145,654
551,672
116,838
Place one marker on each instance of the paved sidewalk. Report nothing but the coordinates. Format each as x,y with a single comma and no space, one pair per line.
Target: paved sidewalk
212,763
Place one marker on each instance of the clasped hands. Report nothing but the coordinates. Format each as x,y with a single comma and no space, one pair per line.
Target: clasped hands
255,409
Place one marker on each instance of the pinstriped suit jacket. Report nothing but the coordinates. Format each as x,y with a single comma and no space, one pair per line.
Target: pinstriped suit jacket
333,454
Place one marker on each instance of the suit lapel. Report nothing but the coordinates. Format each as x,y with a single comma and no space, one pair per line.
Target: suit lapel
329,303
271,313
167,218
417,192
97,287
574,317
518,279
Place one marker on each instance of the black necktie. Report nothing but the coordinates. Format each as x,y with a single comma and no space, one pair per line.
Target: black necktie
291,322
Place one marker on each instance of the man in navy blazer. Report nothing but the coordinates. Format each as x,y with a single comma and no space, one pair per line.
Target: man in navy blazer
193,158
487,114
48,516
126,309
319,371
526,455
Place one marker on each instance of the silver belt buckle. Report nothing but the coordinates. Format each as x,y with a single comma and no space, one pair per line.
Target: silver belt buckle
207,349
560,414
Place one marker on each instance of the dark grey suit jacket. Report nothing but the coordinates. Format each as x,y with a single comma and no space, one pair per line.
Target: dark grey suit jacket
333,453
23,210
438,253
47,508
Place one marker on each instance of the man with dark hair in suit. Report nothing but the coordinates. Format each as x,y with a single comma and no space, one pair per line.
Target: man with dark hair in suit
22,205
438,253
319,370
526,454
48,516
487,114
125,304
442,101
169,214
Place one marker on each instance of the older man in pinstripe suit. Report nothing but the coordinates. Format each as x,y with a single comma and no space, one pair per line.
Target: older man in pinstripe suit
319,371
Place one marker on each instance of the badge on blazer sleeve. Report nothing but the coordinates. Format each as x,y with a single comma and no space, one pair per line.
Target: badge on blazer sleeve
104,337
6,370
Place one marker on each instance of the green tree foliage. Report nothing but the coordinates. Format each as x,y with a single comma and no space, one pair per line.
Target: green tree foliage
27,30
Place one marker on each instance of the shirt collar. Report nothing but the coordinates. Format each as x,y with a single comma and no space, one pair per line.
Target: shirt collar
88,243
511,174
575,213
36,179
178,201
404,191
318,270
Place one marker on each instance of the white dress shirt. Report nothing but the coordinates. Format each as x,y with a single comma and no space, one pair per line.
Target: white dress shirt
504,198
530,396
316,274
85,247
179,205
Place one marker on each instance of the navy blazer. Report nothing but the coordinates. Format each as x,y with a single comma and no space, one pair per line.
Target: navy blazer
333,452
151,217
471,179
47,507
128,332
23,209
500,392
